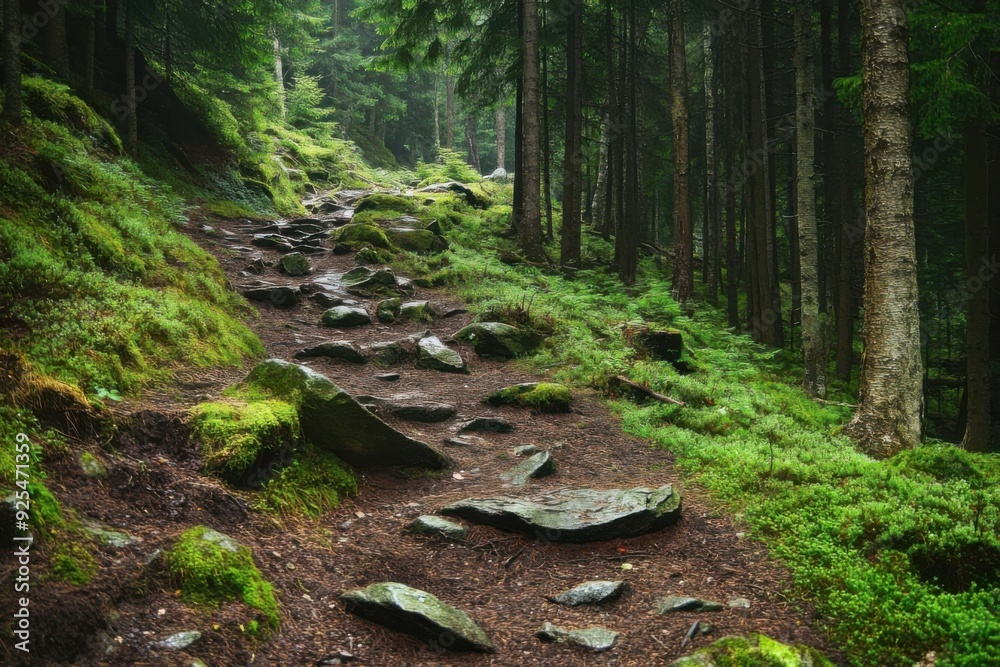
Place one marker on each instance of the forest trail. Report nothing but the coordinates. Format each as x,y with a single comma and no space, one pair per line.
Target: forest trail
500,579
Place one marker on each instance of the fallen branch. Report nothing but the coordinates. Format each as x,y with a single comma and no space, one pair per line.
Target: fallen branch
835,404
649,393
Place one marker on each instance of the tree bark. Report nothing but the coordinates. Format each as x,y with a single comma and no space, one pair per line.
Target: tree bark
501,137
813,350
847,228
449,120
546,141
531,224
889,418
132,119
470,138
437,110
573,159
54,46
713,224
90,50
978,267
683,278
628,235
279,77
12,104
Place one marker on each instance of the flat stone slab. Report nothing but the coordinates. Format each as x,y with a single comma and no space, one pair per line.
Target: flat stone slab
675,603
592,592
389,377
576,515
333,420
594,638
526,450
436,525
486,425
278,296
420,614
436,356
536,466
334,349
428,413
346,316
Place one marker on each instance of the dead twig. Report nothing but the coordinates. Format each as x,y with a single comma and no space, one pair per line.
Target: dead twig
649,393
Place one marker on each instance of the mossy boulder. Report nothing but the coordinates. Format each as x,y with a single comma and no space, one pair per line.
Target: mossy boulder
753,651
542,396
238,439
436,356
418,613
416,240
295,264
335,422
367,280
356,235
416,311
211,568
388,310
380,201
495,340
344,317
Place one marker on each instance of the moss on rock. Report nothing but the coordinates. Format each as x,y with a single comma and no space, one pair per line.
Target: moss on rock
357,235
542,396
753,651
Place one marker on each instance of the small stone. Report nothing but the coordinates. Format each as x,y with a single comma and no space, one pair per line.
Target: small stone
389,377
458,442
592,592
295,264
325,300
92,466
675,603
739,603
416,311
111,538
388,311
435,355
179,641
526,450
534,467
346,316
487,425
435,525
222,541
595,638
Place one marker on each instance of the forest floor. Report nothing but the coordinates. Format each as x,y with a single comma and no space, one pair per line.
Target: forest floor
155,491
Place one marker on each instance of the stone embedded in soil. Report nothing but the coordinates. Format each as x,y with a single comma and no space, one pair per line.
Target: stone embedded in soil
428,413
494,340
388,310
334,421
277,295
272,241
110,538
576,515
595,638
416,311
389,377
325,300
179,641
592,592
675,603
739,603
92,466
334,349
486,425
364,278
534,467
295,264
469,441
416,240
344,317
454,312
526,450
221,540
756,650
418,613
436,356
546,397
436,525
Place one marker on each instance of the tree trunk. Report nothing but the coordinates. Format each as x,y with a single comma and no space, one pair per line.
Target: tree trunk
628,236
279,77
600,203
531,224
847,227
449,121
573,160
683,277
470,137
501,137
713,223
978,274
517,210
546,142
891,391
90,50
12,104
132,118
54,46
437,110
805,200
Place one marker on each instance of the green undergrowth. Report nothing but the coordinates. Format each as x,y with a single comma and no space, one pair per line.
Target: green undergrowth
449,166
899,557
98,287
211,569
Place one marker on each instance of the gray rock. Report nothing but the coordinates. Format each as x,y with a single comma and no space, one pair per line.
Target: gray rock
334,421
494,340
416,311
436,356
178,642
221,540
534,467
595,638
334,349
92,466
295,264
111,538
675,603
388,310
389,377
486,425
363,278
576,515
278,296
739,603
415,612
526,450
346,316
325,300
499,175
272,241
592,592
436,525
459,442
428,413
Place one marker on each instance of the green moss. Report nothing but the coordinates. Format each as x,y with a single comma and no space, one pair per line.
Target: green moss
755,651
71,562
450,166
236,437
92,466
369,255
55,102
357,235
544,397
380,202
210,569
314,483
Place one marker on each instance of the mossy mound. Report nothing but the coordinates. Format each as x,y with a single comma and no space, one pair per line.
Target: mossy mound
379,201
240,439
357,235
542,396
753,651
210,568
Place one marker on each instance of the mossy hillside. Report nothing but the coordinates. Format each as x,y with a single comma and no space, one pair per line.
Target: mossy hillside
210,570
98,286
865,540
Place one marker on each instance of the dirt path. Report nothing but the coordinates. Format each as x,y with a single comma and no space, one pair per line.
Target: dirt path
500,579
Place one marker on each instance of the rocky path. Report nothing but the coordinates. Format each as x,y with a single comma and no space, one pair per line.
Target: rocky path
502,580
